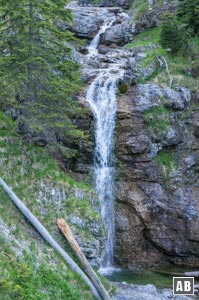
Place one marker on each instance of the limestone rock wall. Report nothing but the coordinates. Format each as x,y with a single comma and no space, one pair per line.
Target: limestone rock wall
157,187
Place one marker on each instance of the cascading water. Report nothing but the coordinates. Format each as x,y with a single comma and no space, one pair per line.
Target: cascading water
101,96
92,48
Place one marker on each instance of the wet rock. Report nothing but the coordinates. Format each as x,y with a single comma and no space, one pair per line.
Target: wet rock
89,74
119,34
123,87
88,21
103,49
83,50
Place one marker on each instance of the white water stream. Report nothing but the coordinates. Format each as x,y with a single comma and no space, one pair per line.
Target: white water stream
101,96
92,48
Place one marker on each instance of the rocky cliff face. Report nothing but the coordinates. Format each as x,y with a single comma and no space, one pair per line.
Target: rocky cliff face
157,184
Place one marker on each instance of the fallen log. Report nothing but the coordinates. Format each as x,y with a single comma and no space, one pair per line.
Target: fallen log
47,237
65,229
168,273
192,274
187,274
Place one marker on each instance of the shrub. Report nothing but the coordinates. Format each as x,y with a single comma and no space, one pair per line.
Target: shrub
171,35
188,13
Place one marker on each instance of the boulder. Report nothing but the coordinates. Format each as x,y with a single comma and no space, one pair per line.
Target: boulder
178,99
119,34
103,49
87,22
148,96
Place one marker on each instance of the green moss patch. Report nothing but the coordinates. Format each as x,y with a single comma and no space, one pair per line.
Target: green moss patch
166,161
158,120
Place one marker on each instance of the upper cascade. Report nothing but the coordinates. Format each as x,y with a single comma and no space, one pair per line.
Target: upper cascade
92,48
89,20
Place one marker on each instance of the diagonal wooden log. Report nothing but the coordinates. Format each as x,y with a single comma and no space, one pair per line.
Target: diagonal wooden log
48,237
65,229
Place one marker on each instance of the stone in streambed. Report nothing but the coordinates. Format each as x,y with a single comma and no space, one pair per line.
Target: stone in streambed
119,34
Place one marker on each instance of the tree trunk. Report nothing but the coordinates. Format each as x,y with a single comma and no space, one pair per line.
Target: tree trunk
65,229
47,236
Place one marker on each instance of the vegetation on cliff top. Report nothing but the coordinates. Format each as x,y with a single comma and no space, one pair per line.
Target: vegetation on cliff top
180,32
180,65
177,40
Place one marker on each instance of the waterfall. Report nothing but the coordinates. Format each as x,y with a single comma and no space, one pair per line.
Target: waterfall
92,48
101,96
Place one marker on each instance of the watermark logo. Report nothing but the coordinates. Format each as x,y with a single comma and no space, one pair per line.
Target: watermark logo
183,285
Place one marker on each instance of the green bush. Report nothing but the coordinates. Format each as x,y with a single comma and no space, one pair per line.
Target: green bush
171,35
188,14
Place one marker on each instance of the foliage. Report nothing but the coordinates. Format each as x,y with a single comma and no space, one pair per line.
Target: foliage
171,35
147,37
139,8
19,279
30,269
191,48
158,121
148,43
38,75
166,160
188,13
123,87
34,176
177,29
